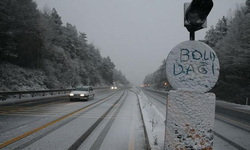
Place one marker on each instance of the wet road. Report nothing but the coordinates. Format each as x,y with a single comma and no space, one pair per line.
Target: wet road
111,120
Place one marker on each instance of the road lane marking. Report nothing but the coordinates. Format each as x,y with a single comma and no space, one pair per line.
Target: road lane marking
86,134
48,124
132,131
219,116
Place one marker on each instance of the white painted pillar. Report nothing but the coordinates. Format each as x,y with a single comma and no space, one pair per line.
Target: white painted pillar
189,120
192,69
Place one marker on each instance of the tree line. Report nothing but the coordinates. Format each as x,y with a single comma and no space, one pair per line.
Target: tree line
38,40
230,38
158,79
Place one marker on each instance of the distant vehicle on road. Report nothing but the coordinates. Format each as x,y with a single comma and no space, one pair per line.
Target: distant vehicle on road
82,93
113,87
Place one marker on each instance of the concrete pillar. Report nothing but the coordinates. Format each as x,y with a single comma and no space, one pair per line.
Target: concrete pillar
189,120
192,69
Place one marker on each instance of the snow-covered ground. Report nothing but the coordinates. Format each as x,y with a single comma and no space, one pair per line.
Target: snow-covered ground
154,122
154,118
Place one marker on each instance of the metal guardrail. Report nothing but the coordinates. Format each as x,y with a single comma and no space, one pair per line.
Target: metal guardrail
4,95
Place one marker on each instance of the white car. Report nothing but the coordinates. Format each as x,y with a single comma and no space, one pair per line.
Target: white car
82,93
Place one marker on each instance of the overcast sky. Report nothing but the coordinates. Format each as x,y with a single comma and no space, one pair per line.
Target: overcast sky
136,34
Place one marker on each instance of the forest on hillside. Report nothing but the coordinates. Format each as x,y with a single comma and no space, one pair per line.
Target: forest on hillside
230,38
37,51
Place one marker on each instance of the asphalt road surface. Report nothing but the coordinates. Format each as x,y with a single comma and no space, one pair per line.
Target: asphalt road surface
111,120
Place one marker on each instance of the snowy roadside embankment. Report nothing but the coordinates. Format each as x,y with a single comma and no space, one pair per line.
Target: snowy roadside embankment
15,78
154,117
154,122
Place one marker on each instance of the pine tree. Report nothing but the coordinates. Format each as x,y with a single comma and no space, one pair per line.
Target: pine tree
233,53
21,41
214,35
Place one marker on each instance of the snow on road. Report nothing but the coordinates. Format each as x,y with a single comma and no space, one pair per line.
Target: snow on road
120,128
154,115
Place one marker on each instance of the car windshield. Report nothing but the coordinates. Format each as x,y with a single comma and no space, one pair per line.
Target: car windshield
81,89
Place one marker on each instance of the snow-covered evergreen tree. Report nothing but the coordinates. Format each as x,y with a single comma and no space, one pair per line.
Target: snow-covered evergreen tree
39,40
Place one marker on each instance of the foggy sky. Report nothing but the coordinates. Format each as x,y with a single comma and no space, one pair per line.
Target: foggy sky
136,34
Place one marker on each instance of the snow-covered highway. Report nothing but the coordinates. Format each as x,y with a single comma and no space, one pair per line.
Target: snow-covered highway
111,120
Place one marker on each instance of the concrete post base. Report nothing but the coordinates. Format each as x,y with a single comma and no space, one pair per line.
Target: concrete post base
189,120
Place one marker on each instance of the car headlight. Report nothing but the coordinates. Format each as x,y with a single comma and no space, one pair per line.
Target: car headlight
71,94
115,87
112,87
81,94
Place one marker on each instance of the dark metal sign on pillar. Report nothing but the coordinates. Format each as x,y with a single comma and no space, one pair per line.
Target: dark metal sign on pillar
195,15
192,35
